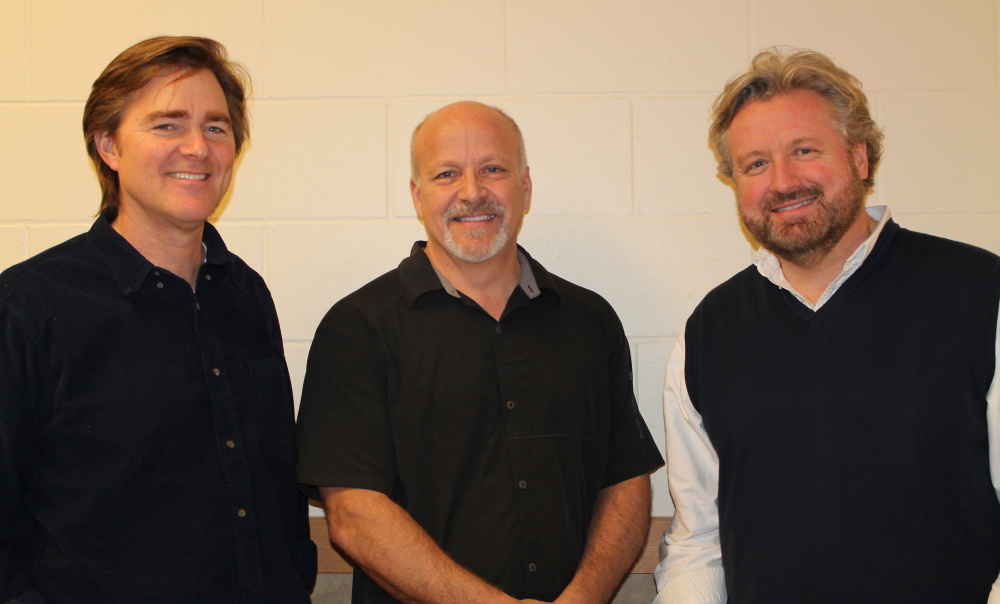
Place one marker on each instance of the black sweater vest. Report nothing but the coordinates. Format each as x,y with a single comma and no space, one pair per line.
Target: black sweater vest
852,440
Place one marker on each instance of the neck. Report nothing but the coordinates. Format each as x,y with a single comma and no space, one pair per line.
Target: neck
811,280
489,282
180,252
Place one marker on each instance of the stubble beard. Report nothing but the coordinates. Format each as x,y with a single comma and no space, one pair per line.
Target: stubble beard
478,246
806,241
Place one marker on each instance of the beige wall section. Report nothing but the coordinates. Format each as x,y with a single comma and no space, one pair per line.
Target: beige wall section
613,100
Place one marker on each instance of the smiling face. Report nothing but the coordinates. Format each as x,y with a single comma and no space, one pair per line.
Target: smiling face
469,188
799,188
173,152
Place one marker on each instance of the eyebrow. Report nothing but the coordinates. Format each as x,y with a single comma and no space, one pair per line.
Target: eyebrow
793,143
180,113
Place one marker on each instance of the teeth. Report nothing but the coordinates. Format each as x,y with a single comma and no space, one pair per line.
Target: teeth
798,205
187,176
475,218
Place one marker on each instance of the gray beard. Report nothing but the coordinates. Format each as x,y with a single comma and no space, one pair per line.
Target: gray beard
476,253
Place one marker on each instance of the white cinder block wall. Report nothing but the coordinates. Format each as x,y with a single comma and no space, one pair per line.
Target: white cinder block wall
613,99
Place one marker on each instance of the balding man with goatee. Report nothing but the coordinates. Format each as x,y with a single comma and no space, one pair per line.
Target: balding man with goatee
468,418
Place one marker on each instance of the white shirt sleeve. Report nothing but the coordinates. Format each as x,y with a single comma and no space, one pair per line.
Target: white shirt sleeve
993,426
690,569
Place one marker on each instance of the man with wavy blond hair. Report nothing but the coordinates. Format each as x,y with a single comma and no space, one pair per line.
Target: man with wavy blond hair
832,411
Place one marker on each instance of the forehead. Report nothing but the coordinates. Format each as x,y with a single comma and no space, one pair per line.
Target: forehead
789,115
178,88
465,134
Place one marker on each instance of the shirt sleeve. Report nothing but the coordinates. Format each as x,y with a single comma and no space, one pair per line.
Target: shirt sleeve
344,433
690,569
993,426
631,448
15,403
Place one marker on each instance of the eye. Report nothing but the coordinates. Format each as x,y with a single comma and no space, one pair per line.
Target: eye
164,127
754,166
445,174
805,151
216,129
494,170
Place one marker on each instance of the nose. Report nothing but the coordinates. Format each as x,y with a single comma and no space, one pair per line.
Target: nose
194,144
784,177
471,189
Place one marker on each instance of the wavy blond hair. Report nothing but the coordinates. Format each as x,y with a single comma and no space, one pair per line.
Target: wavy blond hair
774,72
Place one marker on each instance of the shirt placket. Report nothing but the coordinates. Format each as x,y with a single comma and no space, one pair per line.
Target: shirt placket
230,445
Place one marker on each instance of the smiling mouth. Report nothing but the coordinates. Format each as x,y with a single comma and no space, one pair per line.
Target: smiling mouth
795,205
187,175
480,218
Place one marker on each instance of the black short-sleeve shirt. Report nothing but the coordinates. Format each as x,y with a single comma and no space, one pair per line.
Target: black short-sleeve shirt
495,436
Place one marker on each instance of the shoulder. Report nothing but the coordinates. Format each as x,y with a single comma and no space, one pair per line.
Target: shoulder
368,303
49,266
932,249
739,285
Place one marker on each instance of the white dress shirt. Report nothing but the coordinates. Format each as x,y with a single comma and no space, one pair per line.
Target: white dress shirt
690,569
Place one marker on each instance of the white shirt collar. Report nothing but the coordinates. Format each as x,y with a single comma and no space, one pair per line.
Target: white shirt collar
770,266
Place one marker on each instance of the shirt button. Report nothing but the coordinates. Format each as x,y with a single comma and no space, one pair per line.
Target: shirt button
159,286
215,372
198,306
499,329
208,277
531,567
510,404
157,273
241,512
523,484
230,444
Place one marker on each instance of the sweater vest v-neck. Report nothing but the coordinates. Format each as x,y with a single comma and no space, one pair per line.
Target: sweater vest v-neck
852,440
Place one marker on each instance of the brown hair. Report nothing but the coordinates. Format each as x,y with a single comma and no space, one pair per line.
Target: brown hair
136,67
772,73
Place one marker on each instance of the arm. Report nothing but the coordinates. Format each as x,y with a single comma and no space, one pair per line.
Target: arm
993,427
396,553
690,569
14,415
616,537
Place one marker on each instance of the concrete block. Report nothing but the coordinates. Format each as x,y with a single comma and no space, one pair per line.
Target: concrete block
42,237
13,45
942,152
982,230
675,169
72,42
12,245
640,46
248,241
652,271
579,152
890,45
44,167
296,354
314,265
651,365
381,47
313,160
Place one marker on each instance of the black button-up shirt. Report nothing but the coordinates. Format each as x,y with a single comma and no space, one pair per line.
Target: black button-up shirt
146,432
495,436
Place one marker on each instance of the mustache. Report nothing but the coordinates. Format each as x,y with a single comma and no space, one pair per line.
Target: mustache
485,206
776,199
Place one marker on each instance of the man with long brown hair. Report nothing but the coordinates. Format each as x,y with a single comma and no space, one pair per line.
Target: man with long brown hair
146,433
